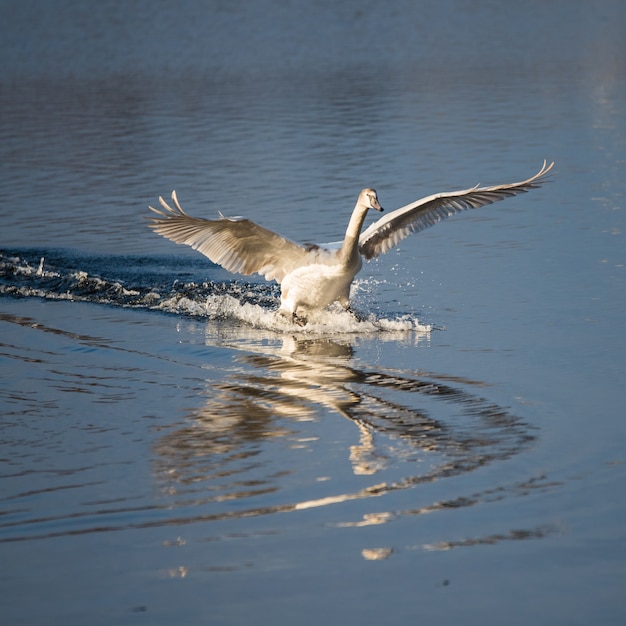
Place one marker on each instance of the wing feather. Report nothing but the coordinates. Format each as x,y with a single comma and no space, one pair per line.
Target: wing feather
384,234
237,244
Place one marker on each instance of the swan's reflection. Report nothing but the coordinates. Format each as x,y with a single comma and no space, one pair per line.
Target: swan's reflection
276,381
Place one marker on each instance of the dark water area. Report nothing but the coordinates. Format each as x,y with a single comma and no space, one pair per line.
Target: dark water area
172,451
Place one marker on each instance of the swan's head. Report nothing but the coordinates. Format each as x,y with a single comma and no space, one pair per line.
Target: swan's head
369,200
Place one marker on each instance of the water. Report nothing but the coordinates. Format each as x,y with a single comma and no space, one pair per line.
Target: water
171,452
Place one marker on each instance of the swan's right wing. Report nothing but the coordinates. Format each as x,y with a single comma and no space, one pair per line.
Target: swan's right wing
237,244
382,235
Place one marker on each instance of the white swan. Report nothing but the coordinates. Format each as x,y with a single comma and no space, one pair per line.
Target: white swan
311,276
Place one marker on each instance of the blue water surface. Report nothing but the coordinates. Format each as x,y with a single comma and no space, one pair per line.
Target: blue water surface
169,453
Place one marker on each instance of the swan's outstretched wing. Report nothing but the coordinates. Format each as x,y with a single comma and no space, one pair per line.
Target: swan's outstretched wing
382,235
237,244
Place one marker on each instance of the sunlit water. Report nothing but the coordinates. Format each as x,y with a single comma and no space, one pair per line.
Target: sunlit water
172,451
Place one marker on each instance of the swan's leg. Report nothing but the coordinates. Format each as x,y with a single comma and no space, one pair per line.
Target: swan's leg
344,299
345,303
290,309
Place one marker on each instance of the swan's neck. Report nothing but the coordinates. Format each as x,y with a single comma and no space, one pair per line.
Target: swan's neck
350,246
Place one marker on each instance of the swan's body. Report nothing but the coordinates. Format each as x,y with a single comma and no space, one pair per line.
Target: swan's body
312,277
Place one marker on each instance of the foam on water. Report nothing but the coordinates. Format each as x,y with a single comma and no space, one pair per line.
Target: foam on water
254,304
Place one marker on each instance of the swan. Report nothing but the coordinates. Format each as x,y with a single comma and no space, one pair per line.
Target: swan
311,276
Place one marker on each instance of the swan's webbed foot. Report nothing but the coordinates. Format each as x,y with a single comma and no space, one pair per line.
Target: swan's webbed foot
359,317
297,319
293,317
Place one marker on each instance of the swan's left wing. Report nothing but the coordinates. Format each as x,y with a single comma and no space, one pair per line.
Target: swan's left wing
384,234
237,244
